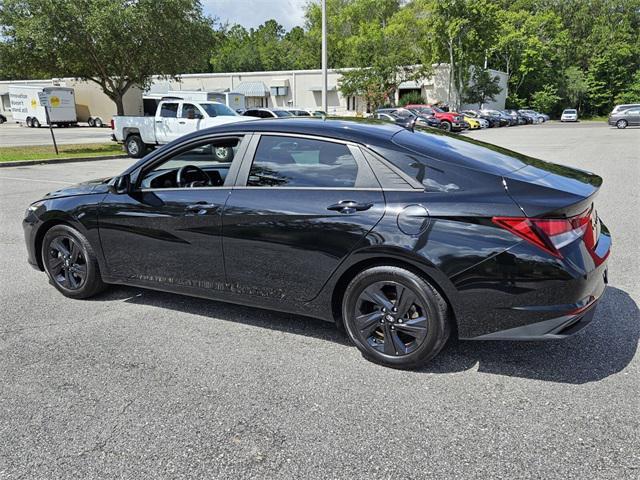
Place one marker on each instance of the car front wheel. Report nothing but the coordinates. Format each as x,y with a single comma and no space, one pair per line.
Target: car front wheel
621,124
446,126
395,317
71,263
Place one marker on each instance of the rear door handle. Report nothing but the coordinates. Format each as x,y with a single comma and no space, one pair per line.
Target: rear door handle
349,206
200,208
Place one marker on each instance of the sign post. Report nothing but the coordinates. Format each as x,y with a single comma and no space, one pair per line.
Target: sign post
45,101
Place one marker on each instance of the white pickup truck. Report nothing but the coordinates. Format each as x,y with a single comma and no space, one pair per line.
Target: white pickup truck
174,118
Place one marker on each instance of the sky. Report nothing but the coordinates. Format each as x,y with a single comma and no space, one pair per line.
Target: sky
251,13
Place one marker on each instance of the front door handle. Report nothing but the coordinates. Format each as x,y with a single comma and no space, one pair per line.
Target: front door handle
349,206
200,208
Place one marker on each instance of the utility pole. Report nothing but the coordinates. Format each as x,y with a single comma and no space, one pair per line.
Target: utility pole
324,56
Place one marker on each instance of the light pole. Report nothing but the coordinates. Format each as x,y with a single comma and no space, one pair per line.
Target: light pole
324,56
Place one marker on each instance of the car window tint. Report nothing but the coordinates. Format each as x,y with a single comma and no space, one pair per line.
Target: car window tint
301,162
190,111
169,110
213,157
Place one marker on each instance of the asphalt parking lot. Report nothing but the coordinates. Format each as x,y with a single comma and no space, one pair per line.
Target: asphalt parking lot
139,384
15,135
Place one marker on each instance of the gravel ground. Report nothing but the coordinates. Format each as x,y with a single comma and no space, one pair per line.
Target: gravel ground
138,384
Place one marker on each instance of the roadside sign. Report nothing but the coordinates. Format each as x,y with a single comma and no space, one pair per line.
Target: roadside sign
43,98
48,102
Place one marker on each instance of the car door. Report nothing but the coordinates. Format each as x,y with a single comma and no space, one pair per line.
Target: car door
167,122
166,236
190,119
633,116
300,206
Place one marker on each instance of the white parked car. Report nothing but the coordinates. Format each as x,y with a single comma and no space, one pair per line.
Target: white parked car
173,119
569,115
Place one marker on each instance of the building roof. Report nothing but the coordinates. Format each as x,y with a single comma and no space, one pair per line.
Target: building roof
252,89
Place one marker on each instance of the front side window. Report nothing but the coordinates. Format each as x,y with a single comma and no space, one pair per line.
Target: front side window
169,110
204,165
190,111
301,162
217,110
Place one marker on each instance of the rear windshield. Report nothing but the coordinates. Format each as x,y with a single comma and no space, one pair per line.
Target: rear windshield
218,109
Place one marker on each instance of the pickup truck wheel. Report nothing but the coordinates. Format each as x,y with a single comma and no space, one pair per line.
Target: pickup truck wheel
135,146
446,126
97,123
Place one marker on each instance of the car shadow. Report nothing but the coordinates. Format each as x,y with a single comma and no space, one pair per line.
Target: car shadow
602,349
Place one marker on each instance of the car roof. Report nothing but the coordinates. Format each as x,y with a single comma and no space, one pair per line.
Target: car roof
364,131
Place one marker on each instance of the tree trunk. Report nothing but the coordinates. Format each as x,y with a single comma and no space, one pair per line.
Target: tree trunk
119,104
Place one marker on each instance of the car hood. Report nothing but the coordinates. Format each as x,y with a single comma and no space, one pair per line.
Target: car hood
83,188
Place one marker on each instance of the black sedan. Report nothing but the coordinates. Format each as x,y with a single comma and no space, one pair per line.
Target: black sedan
403,238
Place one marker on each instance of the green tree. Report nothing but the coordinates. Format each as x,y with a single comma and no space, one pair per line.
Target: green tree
545,100
482,87
632,93
575,86
114,43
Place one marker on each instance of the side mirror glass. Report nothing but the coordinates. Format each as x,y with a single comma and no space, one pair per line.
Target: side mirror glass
122,184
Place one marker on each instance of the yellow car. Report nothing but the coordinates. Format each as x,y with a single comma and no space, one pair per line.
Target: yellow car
473,122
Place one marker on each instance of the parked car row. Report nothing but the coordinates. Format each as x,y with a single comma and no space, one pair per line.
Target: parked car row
280,112
432,116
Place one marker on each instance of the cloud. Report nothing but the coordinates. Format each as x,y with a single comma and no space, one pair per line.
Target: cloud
252,13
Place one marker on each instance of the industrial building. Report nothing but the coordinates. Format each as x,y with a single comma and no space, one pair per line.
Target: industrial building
288,88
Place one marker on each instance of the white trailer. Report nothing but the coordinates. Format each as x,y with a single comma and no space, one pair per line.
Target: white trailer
232,100
26,108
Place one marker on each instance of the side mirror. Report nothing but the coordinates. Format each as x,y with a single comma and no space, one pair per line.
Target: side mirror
122,184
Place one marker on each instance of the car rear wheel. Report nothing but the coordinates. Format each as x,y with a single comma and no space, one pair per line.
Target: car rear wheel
135,146
395,317
71,263
621,124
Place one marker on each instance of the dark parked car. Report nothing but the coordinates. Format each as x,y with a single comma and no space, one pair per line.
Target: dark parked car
406,118
625,118
518,117
267,113
504,120
403,238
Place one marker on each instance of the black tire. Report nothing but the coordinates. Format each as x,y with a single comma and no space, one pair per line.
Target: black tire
622,124
417,334
90,122
446,126
97,123
134,146
70,263
35,123
28,122
223,154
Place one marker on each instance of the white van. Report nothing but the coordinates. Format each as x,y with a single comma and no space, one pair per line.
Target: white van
26,108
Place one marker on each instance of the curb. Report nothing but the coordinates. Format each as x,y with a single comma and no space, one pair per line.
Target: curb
60,160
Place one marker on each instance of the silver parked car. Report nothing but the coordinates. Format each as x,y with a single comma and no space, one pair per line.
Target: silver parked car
625,118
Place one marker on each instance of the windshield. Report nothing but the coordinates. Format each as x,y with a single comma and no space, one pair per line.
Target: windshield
218,109
569,111
282,113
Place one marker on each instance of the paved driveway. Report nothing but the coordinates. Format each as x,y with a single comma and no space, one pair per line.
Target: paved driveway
139,384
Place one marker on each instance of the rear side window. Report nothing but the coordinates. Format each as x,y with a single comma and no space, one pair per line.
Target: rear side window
169,110
302,162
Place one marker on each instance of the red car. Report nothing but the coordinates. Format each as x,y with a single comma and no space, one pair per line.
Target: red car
449,121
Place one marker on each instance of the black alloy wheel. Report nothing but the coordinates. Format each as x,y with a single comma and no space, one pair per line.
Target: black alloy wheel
71,263
66,262
395,317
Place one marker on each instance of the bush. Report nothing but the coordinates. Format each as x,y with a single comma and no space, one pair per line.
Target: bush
546,99
411,98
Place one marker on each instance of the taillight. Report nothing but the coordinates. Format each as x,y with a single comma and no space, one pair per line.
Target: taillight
113,124
549,234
